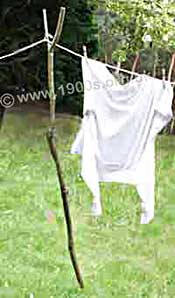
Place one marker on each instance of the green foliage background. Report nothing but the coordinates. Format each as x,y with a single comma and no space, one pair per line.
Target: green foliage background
21,24
114,31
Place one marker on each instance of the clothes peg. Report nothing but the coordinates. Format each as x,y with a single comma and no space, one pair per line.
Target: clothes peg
164,76
85,51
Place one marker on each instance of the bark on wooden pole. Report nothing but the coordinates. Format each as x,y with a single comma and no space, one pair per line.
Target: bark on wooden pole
64,193
51,137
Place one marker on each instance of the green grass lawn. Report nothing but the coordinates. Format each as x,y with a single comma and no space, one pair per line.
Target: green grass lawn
118,257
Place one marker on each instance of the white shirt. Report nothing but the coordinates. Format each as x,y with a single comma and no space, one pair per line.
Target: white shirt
118,133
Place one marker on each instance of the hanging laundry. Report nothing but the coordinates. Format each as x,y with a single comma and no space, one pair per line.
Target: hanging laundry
118,132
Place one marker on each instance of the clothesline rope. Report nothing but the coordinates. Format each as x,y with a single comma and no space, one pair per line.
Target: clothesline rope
108,65
23,49
67,50
81,56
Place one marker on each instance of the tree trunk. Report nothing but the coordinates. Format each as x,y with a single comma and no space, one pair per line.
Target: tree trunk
2,113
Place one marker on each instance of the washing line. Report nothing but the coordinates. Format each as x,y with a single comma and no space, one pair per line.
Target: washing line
81,56
108,65
45,40
23,49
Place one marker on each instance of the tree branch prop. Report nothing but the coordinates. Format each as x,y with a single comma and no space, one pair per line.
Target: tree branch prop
64,194
51,86
51,136
50,70
59,28
171,67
